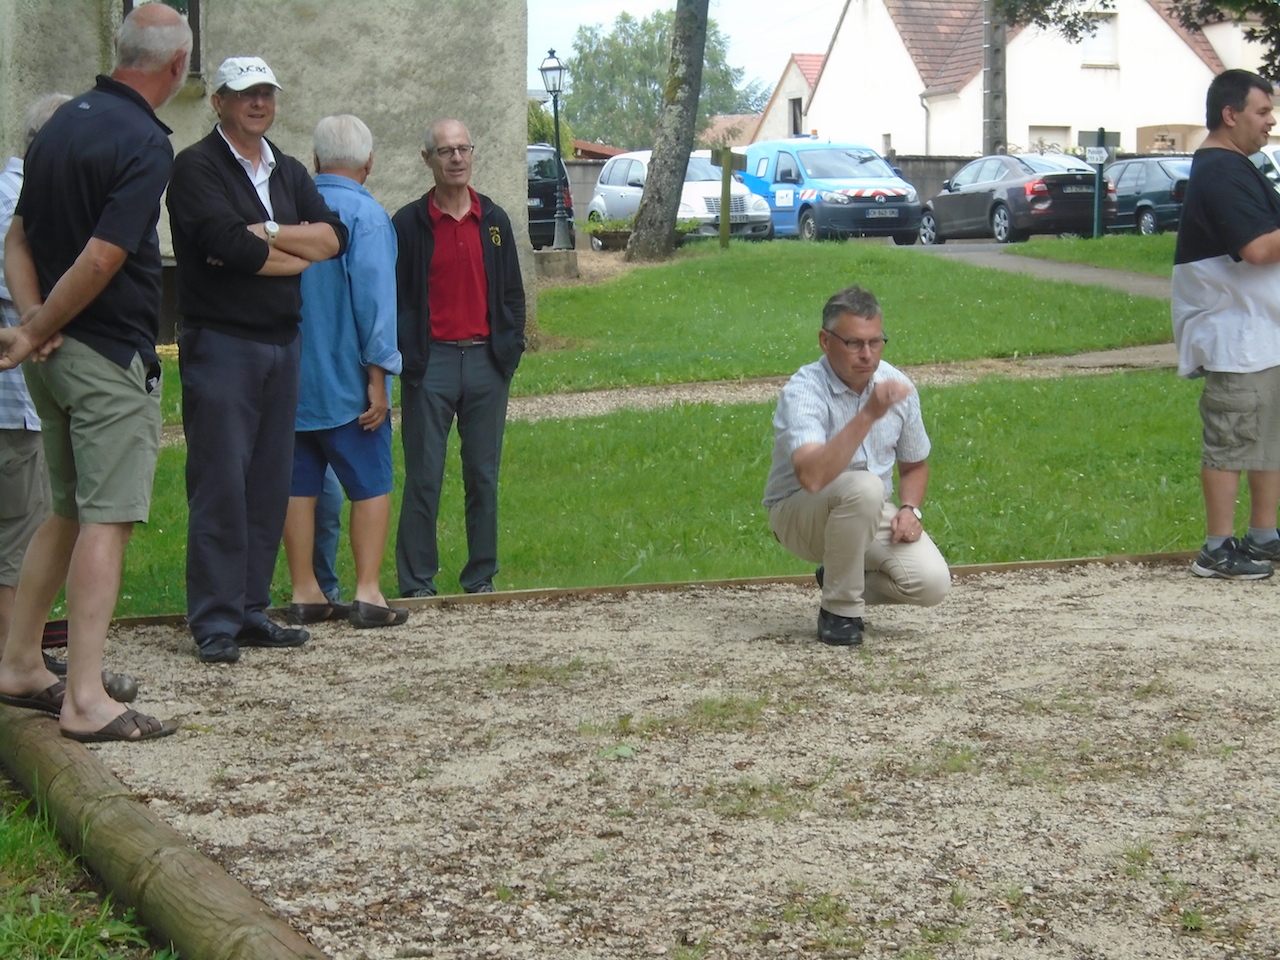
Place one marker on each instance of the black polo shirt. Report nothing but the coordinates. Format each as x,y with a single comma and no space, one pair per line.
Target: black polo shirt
97,169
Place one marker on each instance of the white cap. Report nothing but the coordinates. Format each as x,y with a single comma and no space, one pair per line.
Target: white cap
241,73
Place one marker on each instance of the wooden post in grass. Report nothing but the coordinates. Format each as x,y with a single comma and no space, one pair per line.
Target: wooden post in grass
178,893
727,161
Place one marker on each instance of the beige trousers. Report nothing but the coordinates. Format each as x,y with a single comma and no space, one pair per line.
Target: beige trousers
845,527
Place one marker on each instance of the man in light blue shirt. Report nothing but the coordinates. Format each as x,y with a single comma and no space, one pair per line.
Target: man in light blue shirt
841,425
344,403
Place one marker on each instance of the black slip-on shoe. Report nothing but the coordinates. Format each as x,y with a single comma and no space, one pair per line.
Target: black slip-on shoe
218,648
268,633
839,631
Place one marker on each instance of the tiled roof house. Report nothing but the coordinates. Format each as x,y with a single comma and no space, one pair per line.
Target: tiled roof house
784,114
906,75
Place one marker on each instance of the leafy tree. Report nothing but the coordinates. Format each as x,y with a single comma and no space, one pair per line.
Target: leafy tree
542,128
1073,18
618,81
654,234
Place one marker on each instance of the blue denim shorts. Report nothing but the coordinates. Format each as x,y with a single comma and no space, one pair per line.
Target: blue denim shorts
361,459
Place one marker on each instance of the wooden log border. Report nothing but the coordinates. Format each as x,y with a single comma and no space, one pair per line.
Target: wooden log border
183,896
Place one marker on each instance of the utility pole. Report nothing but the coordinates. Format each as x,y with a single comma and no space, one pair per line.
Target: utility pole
994,116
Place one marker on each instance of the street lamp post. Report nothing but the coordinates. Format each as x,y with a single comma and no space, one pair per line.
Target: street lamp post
553,73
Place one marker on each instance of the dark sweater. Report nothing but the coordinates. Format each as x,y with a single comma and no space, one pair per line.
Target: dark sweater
211,201
501,269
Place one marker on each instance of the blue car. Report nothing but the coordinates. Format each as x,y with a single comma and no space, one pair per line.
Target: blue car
818,189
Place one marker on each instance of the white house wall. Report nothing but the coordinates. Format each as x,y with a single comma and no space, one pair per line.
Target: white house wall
776,122
869,85
1159,80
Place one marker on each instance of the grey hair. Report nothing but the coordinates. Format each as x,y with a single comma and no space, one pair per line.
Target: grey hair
429,138
854,300
38,115
141,43
342,141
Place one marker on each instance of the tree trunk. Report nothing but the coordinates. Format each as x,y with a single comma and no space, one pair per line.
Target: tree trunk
654,235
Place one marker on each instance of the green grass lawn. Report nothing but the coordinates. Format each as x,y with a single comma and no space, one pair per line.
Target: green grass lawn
49,907
754,311
1117,251
758,308
1021,470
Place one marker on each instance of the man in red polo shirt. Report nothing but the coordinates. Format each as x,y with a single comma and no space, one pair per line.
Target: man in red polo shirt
461,333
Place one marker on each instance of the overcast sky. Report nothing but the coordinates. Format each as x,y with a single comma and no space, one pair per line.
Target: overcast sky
762,33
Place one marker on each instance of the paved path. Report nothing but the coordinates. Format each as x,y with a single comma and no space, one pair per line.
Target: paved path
998,257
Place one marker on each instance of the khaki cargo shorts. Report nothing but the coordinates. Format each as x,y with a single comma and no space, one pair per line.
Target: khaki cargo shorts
101,433
24,498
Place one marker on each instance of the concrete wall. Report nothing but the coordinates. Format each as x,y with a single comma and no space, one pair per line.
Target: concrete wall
397,64
583,175
46,46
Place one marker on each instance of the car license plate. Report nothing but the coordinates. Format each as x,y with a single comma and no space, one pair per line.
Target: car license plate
1078,188
876,212
535,202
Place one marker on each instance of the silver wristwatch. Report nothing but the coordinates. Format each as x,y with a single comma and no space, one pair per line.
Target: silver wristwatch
272,230
913,509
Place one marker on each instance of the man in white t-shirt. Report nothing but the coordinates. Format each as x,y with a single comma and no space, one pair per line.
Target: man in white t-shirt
1226,324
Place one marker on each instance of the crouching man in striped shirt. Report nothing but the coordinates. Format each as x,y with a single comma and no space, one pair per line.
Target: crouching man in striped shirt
841,425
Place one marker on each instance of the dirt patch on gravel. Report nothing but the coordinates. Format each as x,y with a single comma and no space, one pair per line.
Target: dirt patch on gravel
1052,764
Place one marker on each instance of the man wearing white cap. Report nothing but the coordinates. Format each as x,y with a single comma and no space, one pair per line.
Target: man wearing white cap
246,221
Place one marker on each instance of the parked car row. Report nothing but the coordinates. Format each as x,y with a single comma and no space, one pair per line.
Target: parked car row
815,189
621,185
1149,192
1268,161
1010,197
543,184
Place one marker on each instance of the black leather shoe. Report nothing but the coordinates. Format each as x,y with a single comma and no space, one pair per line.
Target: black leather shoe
218,648
839,631
268,633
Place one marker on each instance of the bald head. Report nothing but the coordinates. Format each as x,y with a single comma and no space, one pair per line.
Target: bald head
152,52
444,129
149,37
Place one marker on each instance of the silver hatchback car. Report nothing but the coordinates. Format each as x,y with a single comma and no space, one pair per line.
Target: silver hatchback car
621,184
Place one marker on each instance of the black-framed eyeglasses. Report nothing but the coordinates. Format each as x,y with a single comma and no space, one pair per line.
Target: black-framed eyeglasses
445,153
856,345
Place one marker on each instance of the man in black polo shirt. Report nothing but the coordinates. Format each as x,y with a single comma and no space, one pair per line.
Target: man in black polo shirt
246,220
82,262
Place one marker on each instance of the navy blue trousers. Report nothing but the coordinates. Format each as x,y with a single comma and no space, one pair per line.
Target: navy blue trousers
239,402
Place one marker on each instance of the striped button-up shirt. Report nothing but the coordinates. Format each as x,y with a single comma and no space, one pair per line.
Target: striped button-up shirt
816,404
16,410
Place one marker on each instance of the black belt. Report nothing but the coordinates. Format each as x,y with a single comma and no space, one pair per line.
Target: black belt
473,342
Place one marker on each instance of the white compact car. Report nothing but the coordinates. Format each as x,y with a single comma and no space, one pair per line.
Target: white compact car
1268,161
622,180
